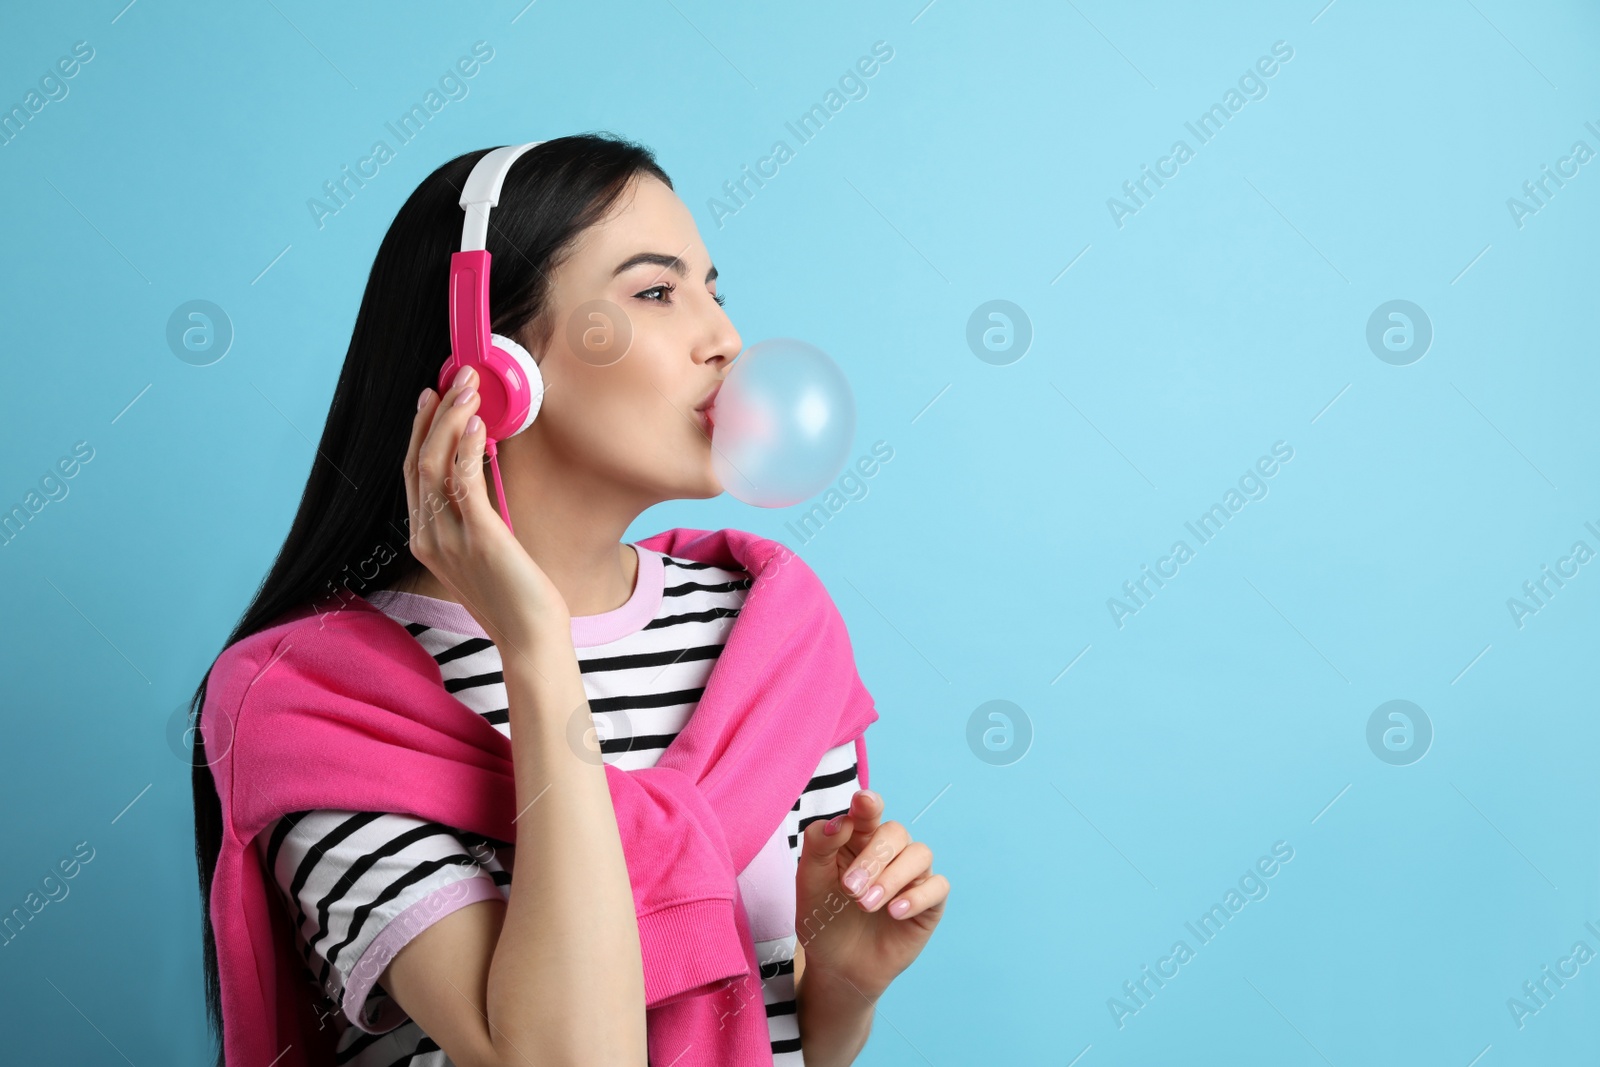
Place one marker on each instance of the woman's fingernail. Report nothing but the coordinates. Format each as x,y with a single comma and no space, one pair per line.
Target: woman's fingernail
473,424
899,908
874,895
463,376
855,880
422,398
465,395
831,827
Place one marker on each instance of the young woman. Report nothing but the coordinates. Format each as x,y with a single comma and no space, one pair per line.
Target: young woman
409,926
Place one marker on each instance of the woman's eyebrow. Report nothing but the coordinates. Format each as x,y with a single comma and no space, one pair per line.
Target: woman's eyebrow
672,263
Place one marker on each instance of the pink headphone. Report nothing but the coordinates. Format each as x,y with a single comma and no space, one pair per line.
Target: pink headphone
509,382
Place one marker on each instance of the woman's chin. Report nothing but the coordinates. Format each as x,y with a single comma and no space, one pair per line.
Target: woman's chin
701,484
710,484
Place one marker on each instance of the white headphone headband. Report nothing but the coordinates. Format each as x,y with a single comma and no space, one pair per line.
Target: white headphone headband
482,192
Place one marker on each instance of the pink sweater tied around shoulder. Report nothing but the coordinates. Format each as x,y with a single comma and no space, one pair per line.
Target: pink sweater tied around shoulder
337,706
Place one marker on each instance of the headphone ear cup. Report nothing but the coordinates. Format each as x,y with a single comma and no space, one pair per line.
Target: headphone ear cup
532,380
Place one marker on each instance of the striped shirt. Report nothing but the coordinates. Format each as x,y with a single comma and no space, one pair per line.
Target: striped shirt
358,886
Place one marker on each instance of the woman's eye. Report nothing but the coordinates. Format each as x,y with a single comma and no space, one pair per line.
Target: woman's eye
665,288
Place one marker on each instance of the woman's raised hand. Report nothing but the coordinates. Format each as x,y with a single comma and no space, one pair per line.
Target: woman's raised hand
892,899
456,532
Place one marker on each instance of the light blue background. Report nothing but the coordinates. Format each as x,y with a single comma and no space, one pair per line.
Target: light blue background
1228,714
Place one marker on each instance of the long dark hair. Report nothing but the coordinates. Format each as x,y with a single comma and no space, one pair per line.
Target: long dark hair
350,531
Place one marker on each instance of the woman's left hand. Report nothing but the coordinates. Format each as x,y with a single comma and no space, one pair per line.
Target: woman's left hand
866,901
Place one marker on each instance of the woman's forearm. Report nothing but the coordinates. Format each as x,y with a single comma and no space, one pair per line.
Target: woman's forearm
567,977
835,1020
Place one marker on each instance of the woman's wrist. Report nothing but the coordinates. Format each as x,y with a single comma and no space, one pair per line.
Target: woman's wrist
834,1017
540,666
534,634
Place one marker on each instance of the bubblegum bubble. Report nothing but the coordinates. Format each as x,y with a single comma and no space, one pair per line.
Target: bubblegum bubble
782,424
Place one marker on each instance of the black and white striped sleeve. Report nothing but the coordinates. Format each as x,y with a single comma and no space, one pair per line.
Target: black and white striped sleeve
829,791
358,886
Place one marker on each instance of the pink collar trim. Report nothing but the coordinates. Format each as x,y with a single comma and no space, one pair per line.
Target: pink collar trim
587,630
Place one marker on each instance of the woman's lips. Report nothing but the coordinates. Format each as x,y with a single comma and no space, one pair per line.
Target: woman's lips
706,407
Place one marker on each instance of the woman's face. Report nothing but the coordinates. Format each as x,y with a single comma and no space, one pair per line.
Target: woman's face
639,341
